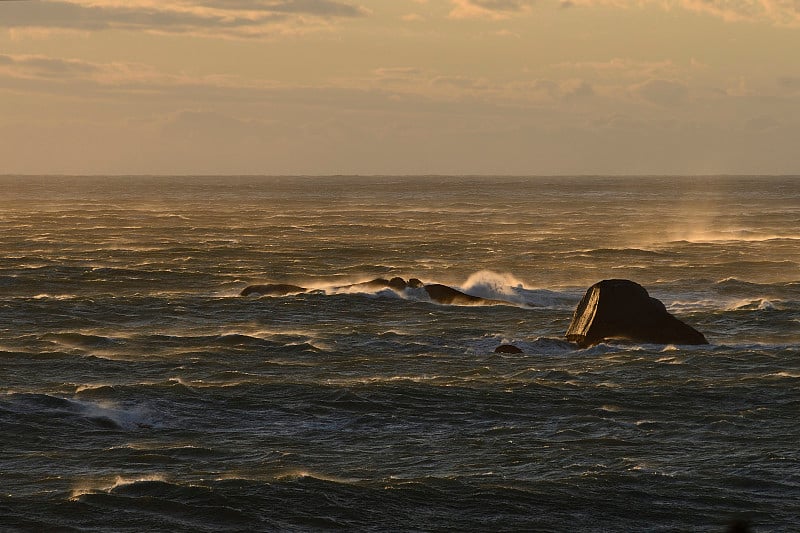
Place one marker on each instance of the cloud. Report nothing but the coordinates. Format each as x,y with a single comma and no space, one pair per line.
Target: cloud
320,8
790,83
761,124
142,85
202,125
239,18
740,10
56,76
134,117
248,18
578,89
45,67
663,92
412,17
493,9
437,87
459,82
778,12
623,67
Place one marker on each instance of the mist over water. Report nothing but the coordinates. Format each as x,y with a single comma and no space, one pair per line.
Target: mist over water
140,392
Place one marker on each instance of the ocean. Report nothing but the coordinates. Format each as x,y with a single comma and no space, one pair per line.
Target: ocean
140,392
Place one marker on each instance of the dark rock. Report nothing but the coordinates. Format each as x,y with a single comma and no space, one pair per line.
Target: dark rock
622,309
398,284
507,348
272,289
378,283
739,526
414,283
448,295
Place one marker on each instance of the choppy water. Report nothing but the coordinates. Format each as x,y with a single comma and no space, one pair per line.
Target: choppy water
139,392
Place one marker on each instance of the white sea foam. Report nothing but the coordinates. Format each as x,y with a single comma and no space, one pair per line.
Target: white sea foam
124,417
507,287
490,284
795,375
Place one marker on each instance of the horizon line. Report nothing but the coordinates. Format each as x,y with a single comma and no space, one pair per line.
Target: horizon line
389,175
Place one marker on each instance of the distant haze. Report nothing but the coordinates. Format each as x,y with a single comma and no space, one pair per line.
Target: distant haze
399,87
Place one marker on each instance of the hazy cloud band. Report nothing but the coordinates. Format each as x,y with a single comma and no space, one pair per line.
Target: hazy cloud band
234,17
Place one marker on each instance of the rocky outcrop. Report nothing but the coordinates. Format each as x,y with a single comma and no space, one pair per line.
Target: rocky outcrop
622,309
436,292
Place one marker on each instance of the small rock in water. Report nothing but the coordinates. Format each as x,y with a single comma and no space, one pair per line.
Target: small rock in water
507,348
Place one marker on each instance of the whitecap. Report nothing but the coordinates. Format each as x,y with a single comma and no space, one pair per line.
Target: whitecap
95,486
784,374
752,304
123,418
492,285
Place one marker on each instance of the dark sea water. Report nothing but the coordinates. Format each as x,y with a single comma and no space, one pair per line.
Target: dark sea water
140,392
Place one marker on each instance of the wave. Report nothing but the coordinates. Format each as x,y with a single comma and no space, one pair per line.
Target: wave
635,252
759,304
505,286
739,235
537,346
182,506
97,486
295,500
548,346
301,501
731,284
36,410
83,341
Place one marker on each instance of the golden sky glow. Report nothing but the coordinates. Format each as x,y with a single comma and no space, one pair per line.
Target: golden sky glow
399,86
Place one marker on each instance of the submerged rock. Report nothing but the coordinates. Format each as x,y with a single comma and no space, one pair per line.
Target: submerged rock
507,348
272,289
622,309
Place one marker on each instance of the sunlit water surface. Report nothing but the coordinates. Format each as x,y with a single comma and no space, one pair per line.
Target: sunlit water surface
139,391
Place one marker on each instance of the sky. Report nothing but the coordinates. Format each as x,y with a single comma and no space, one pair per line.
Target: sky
522,87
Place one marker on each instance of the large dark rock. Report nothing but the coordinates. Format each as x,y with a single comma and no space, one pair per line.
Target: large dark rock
622,309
